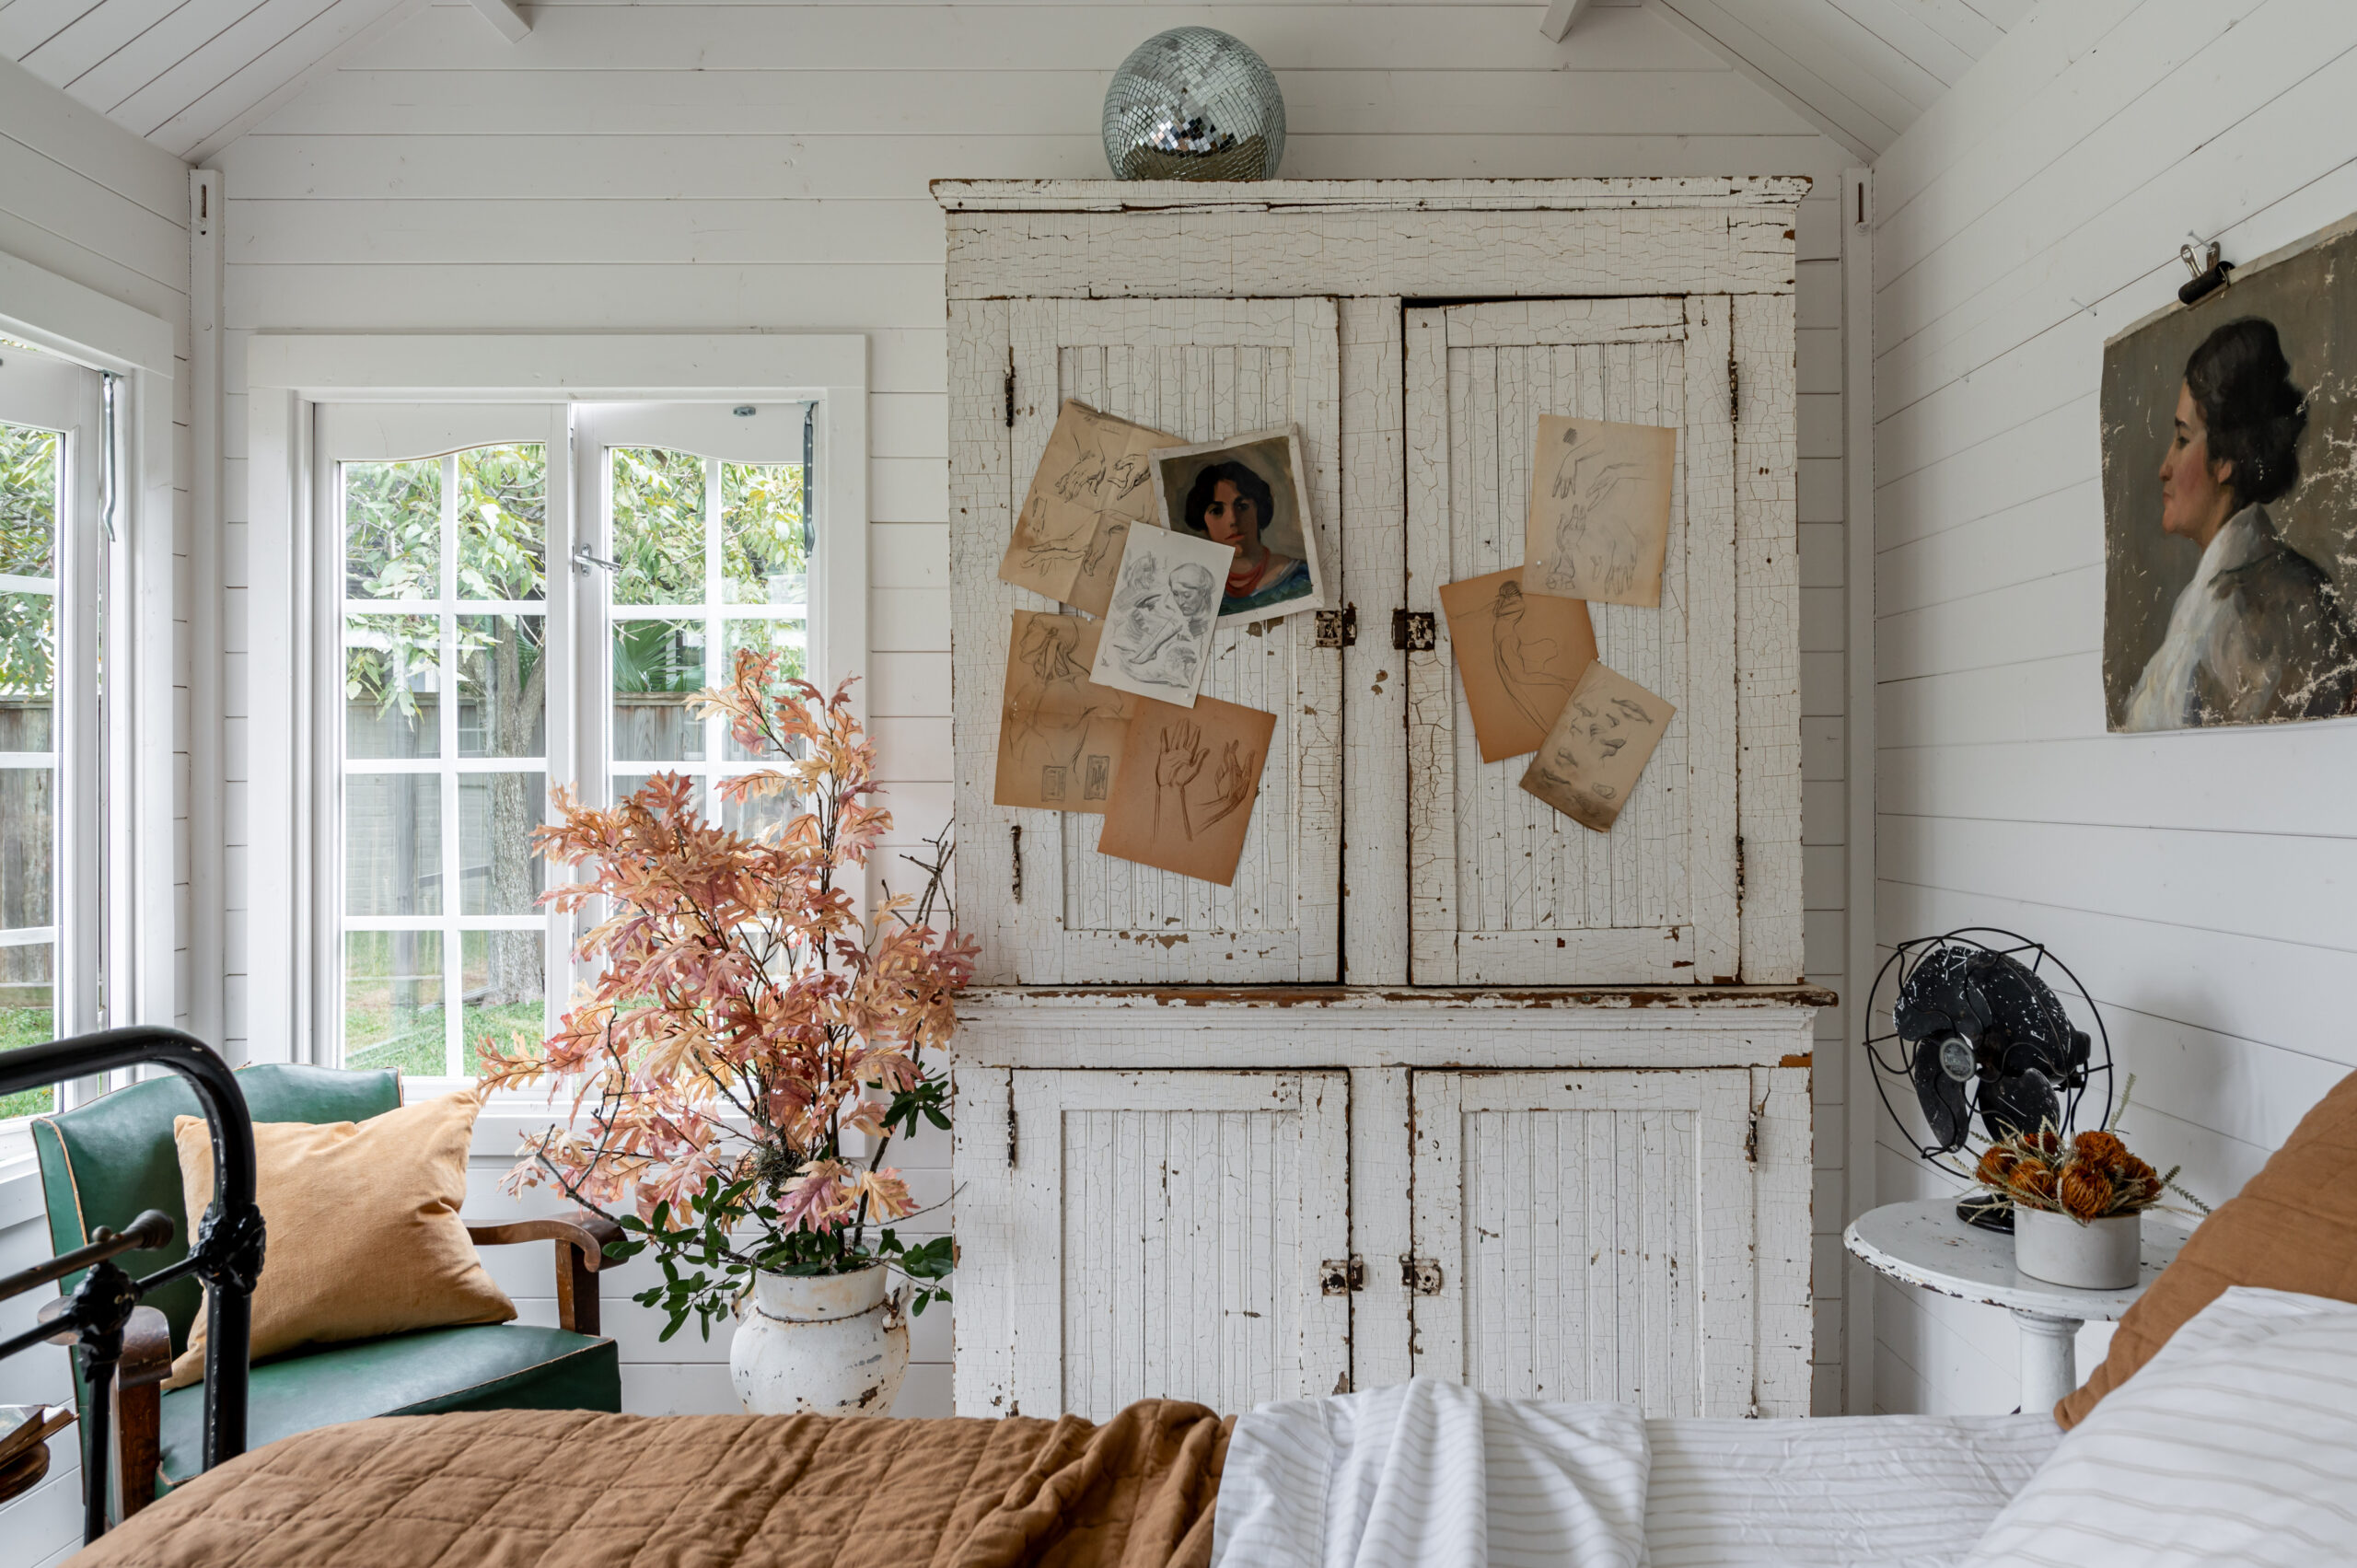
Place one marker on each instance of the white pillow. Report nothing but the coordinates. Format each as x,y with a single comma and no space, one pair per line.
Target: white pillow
2237,1444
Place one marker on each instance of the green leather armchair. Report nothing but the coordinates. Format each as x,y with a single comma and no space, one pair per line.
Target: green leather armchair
103,1163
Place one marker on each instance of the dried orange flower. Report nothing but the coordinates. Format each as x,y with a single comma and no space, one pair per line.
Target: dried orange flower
2085,1190
2033,1180
1996,1164
2104,1149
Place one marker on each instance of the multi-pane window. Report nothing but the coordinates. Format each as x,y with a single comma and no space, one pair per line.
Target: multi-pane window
507,620
52,443
711,558
445,675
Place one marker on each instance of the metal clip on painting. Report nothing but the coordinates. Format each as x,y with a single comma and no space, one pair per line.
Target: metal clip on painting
2210,273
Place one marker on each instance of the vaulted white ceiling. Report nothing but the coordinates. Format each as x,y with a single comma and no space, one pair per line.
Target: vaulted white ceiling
192,75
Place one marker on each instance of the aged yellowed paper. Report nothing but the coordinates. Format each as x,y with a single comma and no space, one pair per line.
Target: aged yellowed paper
1060,734
1094,482
1601,742
1518,655
1183,793
1600,510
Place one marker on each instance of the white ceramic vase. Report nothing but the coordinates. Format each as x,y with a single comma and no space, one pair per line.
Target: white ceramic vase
822,1344
2099,1255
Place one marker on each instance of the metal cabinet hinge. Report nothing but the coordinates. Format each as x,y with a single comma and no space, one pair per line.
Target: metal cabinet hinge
1010,397
1412,630
1338,628
1419,1276
1340,1276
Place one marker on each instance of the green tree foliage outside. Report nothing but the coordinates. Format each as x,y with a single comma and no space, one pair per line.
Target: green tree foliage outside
28,478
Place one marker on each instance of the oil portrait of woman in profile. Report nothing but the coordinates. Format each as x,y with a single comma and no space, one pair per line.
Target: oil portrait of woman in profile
2233,539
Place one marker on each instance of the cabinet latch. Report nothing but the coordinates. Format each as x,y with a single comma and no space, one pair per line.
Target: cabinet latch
1419,1276
1338,628
1411,630
1340,1276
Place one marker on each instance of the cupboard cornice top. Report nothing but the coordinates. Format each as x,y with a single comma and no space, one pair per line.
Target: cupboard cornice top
1432,195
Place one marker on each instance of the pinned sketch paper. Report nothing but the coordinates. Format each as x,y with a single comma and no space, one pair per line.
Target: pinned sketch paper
1060,734
1600,510
1246,493
1159,622
1094,482
1183,793
1519,656
1598,745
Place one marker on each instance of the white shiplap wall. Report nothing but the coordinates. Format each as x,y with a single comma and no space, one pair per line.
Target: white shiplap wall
748,166
2199,883
89,201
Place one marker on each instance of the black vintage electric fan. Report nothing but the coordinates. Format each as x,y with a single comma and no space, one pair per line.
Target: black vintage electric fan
1976,1033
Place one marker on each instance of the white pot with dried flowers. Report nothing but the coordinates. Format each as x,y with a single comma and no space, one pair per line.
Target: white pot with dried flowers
2079,1203
749,1048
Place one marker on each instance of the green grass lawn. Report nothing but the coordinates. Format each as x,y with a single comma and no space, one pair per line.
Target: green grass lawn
412,1042
22,1027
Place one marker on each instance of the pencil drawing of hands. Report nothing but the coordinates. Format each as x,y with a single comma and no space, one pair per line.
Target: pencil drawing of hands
1232,785
1595,554
1177,765
1094,477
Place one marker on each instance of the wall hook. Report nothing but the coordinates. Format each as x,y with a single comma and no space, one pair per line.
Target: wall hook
2210,273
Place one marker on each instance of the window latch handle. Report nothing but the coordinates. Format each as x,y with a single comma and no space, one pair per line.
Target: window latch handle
583,560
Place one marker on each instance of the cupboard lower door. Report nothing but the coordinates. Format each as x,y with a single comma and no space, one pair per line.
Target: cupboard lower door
1587,1236
1156,1235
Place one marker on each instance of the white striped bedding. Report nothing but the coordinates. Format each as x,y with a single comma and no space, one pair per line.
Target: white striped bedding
1889,1491
2237,1443
1432,1472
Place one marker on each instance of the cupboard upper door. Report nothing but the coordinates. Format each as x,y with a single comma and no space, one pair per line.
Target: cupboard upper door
1050,908
1501,888
1593,1236
1160,1234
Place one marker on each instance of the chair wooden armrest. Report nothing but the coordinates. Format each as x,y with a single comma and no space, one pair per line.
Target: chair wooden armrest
138,1401
581,1240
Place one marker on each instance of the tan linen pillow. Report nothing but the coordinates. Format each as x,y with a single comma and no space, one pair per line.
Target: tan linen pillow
2293,1227
363,1234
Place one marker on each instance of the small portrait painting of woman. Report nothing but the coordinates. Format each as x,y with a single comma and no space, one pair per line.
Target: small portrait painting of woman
1242,493
2259,635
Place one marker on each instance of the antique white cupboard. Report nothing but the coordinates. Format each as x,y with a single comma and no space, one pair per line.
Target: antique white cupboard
1443,1083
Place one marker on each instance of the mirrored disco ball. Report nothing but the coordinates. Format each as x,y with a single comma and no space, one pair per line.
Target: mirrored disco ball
1193,103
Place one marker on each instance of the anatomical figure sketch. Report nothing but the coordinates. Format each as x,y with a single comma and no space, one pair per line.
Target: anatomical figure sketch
1597,747
1184,790
1094,482
1600,510
1060,734
1518,656
1159,621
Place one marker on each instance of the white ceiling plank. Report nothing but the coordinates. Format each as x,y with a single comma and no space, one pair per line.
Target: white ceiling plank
1816,99
95,35
26,25
1903,27
249,96
510,22
1834,45
154,52
1561,16
253,33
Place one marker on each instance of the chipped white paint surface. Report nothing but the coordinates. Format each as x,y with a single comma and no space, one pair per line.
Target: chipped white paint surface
1199,368
1142,1170
829,1344
1069,1104
1504,890
1166,1231
1594,1235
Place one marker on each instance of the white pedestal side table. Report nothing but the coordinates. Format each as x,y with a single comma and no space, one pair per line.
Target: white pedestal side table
1925,1243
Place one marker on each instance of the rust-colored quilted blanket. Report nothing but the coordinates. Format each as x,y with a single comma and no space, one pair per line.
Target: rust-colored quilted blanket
570,1489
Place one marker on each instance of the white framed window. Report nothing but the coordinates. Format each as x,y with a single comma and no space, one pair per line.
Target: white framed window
53,446
493,617
436,528
704,543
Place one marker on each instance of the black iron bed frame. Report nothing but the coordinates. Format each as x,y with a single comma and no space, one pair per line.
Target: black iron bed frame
228,1254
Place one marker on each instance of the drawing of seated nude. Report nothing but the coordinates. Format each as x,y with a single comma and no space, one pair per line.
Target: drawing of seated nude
1159,630
1528,665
